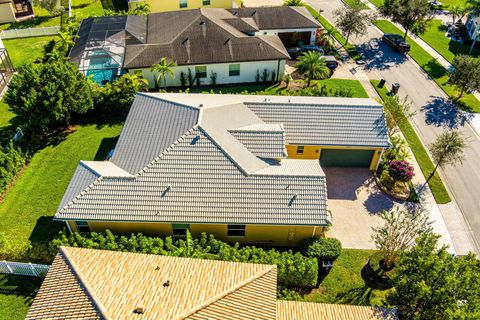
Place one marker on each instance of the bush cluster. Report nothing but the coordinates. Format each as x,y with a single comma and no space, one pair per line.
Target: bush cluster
322,248
294,269
12,161
401,170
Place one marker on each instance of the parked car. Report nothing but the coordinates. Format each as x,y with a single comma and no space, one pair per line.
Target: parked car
331,62
295,52
396,42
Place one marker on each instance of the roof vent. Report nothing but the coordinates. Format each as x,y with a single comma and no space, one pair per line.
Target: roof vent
202,23
184,41
157,268
194,140
200,105
293,199
139,310
228,40
166,283
169,187
235,13
254,12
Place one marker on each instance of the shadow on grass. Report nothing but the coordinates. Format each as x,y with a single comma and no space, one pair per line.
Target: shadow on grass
45,229
434,69
106,146
20,286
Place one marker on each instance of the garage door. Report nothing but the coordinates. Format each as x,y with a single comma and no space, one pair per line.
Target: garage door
346,158
291,39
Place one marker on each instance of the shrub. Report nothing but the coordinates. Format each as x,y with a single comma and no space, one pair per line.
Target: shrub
294,269
386,180
12,161
322,248
401,171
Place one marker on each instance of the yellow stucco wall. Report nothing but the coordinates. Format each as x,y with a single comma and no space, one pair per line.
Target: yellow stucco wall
280,235
172,5
314,152
6,13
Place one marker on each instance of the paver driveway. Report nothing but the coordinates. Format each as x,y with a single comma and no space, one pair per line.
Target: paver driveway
355,202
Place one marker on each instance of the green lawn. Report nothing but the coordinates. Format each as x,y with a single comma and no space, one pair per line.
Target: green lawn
17,48
344,283
434,69
335,33
439,191
16,295
354,85
27,210
435,37
377,3
352,3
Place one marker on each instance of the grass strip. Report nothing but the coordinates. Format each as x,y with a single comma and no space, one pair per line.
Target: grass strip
434,69
352,52
439,191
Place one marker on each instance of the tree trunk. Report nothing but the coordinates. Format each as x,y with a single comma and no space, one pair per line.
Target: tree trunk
461,93
429,177
308,82
346,40
405,34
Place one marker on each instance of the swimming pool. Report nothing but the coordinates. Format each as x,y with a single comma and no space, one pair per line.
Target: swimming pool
102,69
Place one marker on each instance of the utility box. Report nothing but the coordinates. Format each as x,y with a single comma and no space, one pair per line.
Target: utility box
395,88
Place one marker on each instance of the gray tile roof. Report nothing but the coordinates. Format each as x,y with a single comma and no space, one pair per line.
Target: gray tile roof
328,124
152,126
195,181
188,165
263,140
202,36
81,179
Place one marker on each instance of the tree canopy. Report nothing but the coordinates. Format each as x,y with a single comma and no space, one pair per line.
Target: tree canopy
465,74
430,283
45,97
412,15
352,20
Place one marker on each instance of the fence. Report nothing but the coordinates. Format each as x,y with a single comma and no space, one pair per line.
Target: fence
24,269
29,32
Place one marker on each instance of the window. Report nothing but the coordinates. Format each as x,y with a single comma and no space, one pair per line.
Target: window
183,3
300,149
236,230
234,70
201,71
82,226
180,229
206,2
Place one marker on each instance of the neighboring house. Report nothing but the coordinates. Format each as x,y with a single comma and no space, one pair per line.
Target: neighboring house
100,284
473,26
11,11
6,68
236,46
222,164
173,5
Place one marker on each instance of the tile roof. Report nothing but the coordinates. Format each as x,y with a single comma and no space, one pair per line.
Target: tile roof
283,17
296,310
200,159
83,281
98,284
327,124
179,35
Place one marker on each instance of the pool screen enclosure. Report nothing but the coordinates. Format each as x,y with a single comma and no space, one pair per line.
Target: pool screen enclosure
100,45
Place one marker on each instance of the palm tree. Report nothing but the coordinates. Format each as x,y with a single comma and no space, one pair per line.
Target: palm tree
163,68
293,3
457,13
312,66
473,7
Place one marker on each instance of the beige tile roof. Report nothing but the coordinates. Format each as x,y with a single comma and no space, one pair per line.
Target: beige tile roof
295,310
119,282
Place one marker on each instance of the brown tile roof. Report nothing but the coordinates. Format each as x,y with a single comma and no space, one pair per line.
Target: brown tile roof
296,310
202,36
119,282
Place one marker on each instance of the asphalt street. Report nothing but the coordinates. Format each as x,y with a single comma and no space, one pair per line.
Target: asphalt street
434,114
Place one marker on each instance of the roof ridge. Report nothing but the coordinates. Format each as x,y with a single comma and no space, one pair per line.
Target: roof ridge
89,291
227,292
186,28
156,97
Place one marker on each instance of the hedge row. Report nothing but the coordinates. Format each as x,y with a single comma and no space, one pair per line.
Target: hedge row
294,269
